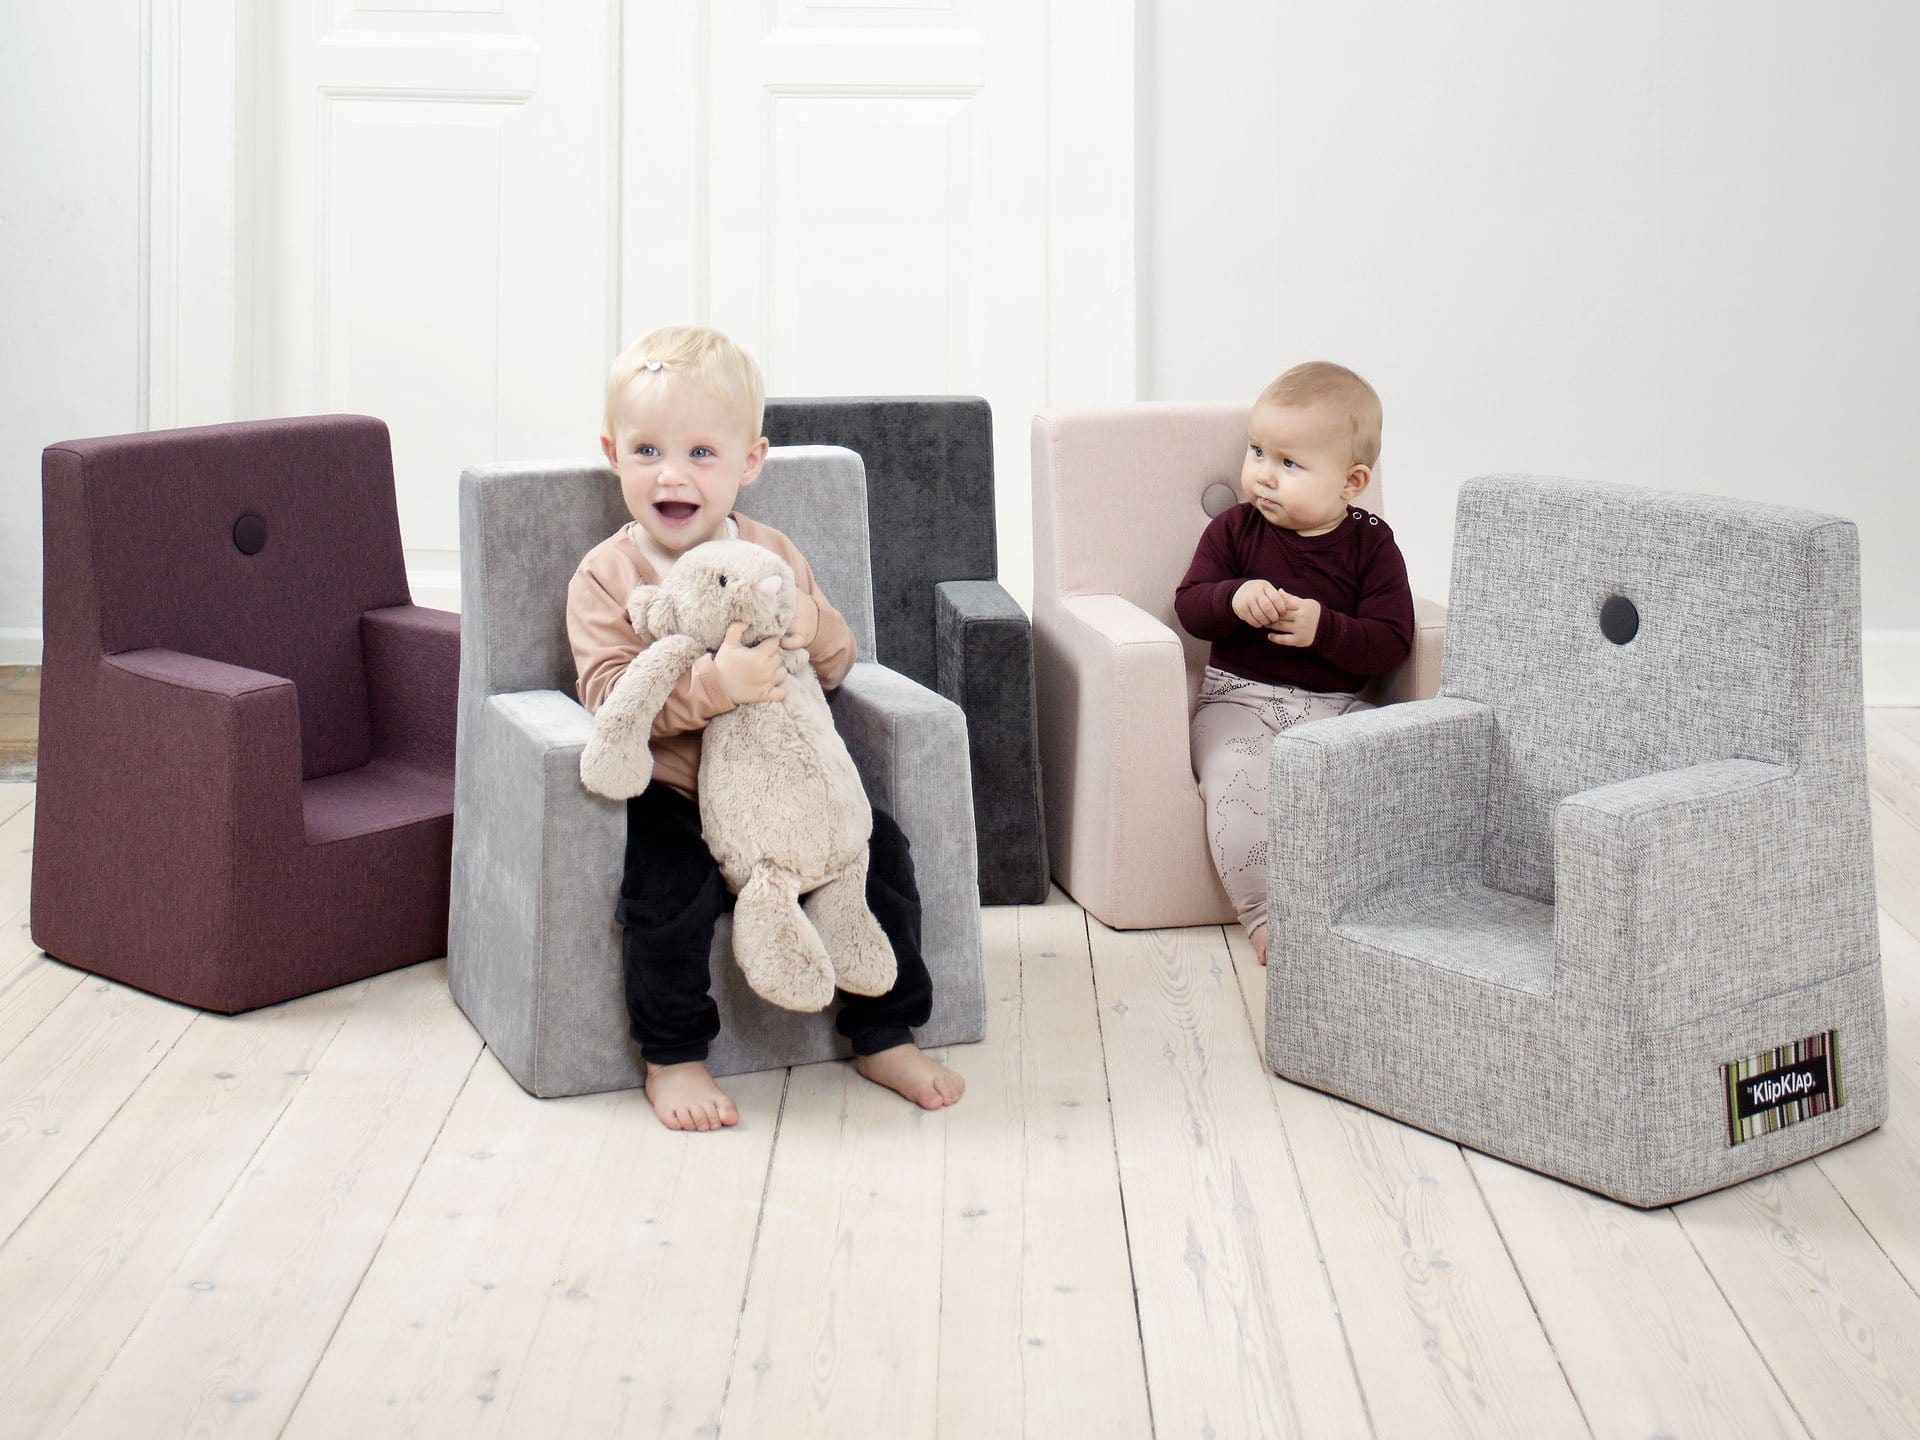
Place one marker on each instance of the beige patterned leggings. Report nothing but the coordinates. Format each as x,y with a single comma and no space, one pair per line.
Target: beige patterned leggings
1232,728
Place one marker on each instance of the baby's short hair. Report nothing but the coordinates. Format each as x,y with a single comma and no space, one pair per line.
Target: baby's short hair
1319,380
703,358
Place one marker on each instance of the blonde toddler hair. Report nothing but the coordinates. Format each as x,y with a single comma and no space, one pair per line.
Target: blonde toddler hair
1322,381
703,358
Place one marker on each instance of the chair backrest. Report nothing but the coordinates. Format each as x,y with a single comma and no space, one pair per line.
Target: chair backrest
258,544
930,501
524,527
1121,495
816,495
1747,645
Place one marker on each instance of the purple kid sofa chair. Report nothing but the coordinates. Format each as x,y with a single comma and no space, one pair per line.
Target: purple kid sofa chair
246,727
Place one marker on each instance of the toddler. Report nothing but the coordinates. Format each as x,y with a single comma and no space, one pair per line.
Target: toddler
1305,598
683,417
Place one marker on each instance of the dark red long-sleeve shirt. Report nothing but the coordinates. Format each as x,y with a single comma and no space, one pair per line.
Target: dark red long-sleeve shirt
1354,570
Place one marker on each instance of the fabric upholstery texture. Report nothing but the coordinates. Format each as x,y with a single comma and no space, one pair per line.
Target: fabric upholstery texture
534,952
1120,497
246,759
1540,912
940,615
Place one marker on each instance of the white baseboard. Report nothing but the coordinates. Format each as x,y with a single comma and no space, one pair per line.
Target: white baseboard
19,644
1891,662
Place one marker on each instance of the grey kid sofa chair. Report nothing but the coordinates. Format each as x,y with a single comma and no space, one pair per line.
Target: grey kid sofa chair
1605,906
940,615
533,952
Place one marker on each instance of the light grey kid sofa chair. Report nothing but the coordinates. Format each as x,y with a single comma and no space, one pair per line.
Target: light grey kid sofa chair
533,953
1605,906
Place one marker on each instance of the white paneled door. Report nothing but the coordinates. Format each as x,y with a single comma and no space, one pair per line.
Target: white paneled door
433,244
451,214
874,184
879,193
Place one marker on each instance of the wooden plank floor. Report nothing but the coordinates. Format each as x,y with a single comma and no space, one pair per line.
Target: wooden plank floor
19,721
340,1217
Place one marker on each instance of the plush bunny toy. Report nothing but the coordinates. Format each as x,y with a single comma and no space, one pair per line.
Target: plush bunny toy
781,805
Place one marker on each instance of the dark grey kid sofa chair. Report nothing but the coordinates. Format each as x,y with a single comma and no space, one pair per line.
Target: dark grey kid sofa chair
940,616
533,954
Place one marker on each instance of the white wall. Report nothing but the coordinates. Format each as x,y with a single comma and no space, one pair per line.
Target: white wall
1667,244
71,258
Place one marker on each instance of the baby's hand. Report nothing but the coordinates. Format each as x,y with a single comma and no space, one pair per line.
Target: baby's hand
750,673
1261,603
804,625
1299,625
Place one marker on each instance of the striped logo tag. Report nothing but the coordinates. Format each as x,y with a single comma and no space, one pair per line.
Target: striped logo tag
1777,1087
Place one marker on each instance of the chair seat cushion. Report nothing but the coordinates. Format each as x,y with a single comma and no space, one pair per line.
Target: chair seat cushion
380,795
1474,930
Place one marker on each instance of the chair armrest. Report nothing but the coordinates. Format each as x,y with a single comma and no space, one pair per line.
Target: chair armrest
1116,760
1367,801
520,783
521,762
1418,677
901,734
980,633
1122,625
910,747
412,660
983,646
1687,892
537,864
204,743
531,741
192,675
1654,809
547,723
1129,710
530,744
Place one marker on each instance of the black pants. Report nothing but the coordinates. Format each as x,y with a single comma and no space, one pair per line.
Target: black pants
671,896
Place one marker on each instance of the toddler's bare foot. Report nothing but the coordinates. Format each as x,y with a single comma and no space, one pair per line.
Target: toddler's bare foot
685,1097
907,1071
1259,939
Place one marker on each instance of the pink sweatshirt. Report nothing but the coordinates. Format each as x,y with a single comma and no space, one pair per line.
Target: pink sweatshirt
604,643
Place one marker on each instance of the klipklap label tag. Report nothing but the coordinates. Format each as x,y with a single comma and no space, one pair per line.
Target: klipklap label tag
1782,1086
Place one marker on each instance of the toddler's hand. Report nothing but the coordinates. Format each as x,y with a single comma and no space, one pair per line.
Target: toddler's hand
1261,603
804,625
1299,625
750,673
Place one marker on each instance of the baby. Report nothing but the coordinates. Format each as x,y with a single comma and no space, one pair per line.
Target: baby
684,410
1305,598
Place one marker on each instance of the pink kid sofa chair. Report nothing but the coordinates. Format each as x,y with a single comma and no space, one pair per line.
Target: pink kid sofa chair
1120,497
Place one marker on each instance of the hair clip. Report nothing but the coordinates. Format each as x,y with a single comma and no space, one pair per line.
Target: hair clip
651,364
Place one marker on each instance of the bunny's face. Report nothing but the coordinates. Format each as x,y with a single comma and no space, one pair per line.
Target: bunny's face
712,586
